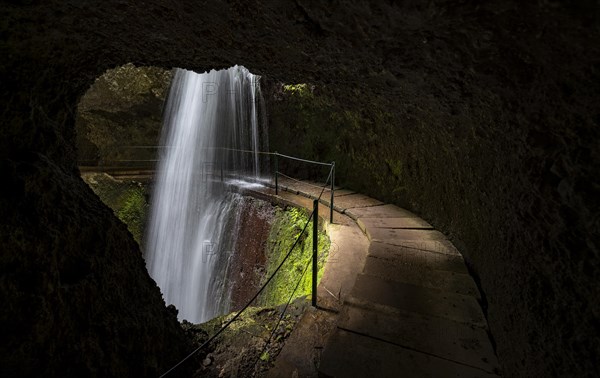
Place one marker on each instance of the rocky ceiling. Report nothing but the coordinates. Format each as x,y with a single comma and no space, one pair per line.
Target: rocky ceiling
493,114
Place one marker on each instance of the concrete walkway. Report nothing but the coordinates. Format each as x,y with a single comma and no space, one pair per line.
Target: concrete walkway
396,299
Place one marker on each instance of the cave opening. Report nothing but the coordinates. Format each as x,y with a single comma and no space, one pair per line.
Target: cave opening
120,147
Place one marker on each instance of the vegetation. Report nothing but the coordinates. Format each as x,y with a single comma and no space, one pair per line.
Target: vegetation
127,199
285,230
335,130
134,211
124,104
239,350
298,89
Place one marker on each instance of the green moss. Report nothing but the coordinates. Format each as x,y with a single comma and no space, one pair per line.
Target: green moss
265,357
124,104
298,89
127,199
331,129
236,350
134,211
286,228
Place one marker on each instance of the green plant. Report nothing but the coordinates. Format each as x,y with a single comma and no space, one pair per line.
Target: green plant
127,199
284,232
133,213
264,357
298,89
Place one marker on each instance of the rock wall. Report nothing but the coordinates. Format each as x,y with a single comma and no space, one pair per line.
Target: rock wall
120,116
129,200
486,127
483,118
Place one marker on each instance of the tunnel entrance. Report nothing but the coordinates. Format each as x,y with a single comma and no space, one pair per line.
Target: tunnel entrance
118,133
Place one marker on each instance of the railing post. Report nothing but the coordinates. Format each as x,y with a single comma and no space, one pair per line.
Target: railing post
315,267
276,174
221,169
332,192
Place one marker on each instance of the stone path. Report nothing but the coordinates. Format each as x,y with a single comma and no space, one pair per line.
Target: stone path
396,299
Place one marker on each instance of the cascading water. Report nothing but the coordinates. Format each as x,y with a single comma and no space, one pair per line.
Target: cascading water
208,118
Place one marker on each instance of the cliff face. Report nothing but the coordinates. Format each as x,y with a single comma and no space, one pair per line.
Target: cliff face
482,118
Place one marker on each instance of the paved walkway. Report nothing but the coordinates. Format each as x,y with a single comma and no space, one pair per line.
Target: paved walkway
396,299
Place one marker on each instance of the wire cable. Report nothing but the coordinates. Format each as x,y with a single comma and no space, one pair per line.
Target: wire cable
247,304
293,292
300,181
303,160
282,314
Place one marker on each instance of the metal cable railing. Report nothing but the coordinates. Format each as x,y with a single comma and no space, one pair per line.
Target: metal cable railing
276,172
300,181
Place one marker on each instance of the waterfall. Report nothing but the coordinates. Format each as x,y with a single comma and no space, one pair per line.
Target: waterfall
207,117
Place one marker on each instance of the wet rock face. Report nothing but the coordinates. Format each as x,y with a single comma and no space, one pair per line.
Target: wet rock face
490,132
247,266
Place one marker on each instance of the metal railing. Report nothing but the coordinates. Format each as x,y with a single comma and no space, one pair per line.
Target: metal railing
275,176
331,174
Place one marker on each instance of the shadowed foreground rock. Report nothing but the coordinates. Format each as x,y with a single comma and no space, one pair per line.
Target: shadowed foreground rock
76,297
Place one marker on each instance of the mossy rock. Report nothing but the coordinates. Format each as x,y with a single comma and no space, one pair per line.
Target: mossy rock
294,279
240,349
128,200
